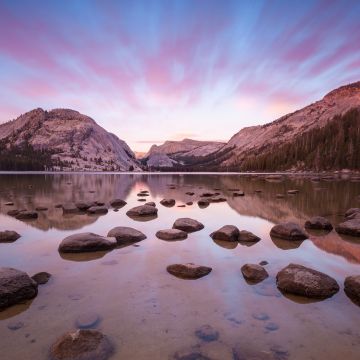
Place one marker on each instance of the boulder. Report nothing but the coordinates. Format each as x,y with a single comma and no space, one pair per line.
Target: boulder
167,202
318,222
97,210
238,193
15,286
150,203
189,203
27,215
142,210
227,233
126,235
203,203
248,237
84,205
82,345
288,231
351,212
300,280
349,227
85,242
69,208
9,236
171,234
352,288
188,225
188,271
118,203
41,278
190,193
254,272
9,203
280,196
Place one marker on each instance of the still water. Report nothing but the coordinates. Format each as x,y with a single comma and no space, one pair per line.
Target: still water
149,314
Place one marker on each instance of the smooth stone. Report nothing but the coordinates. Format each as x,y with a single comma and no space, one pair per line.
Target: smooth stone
300,280
261,316
15,325
126,235
318,222
188,225
167,202
207,194
41,278
69,208
117,203
349,227
9,236
84,205
171,234
27,215
99,203
142,210
15,287
143,194
13,212
203,203
189,203
263,262
254,272
85,242
100,209
207,333
87,320
226,233
271,326
288,231
247,236
188,271
150,203
352,288
82,345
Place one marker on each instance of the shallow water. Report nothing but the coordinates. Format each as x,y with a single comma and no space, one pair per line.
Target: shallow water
149,314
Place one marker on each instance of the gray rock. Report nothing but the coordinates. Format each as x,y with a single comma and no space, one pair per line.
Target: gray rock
85,242
142,210
97,210
288,231
188,225
15,287
271,326
263,262
171,234
82,345
41,278
9,236
299,280
254,272
217,199
27,215
118,203
207,333
261,316
167,202
349,227
188,271
248,237
15,325
318,222
227,233
352,288
126,235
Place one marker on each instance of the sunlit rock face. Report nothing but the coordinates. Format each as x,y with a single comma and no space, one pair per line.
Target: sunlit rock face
74,140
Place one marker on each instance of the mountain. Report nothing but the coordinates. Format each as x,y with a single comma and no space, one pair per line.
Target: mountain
180,153
61,139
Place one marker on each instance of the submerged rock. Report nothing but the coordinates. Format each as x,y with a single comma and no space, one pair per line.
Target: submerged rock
318,222
167,202
27,215
248,237
349,227
9,236
188,271
41,278
207,333
126,235
118,203
15,286
85,242
142,210
87,320
254,272
188,225
171,234
288,231
300,280
226,233
82,345
352,288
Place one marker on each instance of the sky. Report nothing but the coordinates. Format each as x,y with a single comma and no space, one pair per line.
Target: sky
151,71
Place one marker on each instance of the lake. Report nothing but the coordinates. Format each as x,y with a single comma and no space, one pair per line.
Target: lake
148,313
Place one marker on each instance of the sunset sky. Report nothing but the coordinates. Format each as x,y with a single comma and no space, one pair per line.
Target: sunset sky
151,71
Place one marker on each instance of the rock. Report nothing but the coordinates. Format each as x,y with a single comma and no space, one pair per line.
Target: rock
69,208
207,194
142,210
41,278
238,193
141,200
171,234
248,237
167,202
9,236
261,316
10,203
118,203
207,333
352,288
95,210
271,326
84,205
41,208
13,212
15,325
126,235
150,203
143,194
26,215
82,345
349,227
58,206
217,199
15,287
181,206
227,233
349,213
299,280
188,225
280,196
188,271
318,222
288,231
87,320
203,203
254,272
292,192
190,193
85,242
263,262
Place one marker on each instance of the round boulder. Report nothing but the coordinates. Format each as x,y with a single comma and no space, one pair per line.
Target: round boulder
117,203
349,227
300,280
188,271
167,202
288,231
171,234
27,215
150,203
126,235
254,272
352,288
227,233
85,242
203,204
97,210
41,278
319,223
188,225
142,210
9,236
84,205
248,237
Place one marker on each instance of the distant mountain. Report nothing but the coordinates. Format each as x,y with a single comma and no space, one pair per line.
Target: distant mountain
61,139
180,153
